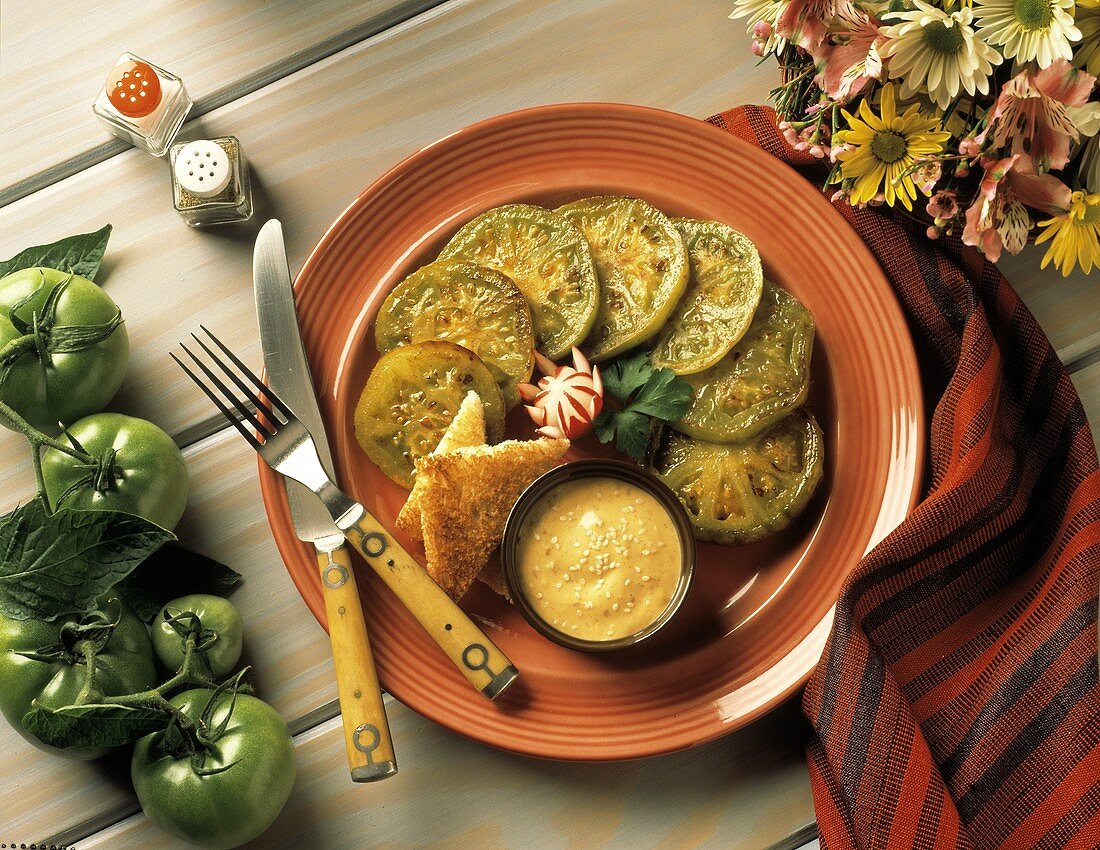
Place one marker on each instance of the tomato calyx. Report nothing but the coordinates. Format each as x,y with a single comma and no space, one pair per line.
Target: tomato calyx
199,741
41,335
188,625
98,473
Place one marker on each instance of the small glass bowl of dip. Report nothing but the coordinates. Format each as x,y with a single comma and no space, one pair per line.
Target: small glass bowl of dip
598,555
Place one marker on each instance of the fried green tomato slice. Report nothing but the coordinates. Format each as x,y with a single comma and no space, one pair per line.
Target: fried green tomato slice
472,306
722,296
762,379
642,266
744,492
547,257
410,398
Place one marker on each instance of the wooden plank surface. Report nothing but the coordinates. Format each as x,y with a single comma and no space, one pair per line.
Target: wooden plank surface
453,793
53,60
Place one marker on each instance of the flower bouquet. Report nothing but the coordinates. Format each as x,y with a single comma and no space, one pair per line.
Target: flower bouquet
985,109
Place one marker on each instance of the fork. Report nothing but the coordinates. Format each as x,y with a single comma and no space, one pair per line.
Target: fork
286,446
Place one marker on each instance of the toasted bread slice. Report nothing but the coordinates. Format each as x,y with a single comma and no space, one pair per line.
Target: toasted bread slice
492,576
466,499
466,429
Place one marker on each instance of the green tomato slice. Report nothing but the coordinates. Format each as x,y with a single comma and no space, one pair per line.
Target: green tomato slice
738,493
720,301
547,257
762,379
472,306
642,265
410,398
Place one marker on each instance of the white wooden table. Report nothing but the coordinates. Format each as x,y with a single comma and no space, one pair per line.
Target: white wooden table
324,96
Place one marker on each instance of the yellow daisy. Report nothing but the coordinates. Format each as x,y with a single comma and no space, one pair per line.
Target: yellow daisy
882,149
1075,235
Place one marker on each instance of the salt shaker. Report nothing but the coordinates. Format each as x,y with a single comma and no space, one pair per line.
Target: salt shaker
210,182
143,104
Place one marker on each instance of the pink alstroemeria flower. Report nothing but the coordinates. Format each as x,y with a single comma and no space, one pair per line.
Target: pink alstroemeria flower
851,59
998,219
1030,114
806,22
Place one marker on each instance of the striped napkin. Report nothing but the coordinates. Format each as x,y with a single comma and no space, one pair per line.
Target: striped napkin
956,703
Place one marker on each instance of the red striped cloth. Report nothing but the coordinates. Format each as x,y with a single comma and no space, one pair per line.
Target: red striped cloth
956,704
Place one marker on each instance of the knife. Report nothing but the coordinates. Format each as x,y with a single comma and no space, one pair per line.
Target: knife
366,729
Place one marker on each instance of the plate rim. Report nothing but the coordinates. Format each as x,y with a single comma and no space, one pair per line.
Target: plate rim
274,492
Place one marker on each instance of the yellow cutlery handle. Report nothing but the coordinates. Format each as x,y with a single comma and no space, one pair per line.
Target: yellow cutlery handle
478,658
366,729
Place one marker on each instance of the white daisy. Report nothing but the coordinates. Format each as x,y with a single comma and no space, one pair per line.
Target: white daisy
938,53
1029,30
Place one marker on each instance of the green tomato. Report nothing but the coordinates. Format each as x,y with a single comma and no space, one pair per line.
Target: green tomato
124,666
148,476
73,383
217,616
248,775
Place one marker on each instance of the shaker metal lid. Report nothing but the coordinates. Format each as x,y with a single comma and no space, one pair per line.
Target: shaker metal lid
203,168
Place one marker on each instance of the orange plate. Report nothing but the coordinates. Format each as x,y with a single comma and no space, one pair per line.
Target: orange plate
758,616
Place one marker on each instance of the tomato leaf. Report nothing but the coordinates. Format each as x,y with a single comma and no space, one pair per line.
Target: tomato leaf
170,572
59,563
664,396
627,375
80,254
93,725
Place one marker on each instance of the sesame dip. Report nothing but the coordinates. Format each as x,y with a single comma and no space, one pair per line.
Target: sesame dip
598,559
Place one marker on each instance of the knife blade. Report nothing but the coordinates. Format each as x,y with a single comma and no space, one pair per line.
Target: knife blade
288,375
366,728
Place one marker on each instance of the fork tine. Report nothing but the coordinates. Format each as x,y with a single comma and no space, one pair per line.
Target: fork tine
247,414
261,407
260,385
218,403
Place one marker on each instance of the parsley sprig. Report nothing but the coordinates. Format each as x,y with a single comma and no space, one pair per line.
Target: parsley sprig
646,394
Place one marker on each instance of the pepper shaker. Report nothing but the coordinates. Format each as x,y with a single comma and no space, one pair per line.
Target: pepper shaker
143,104
210,183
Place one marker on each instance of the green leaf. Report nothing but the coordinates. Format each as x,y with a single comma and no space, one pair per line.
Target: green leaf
630,431
604,425
171,572
627,375
93,725
57,564
647,394
665,396
80,254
